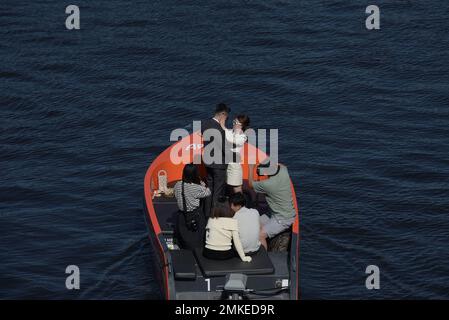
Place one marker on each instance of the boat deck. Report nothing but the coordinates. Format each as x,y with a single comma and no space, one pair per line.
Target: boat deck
198,277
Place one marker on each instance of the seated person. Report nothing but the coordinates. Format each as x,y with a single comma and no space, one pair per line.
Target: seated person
248,221
221,231
278,193
191,221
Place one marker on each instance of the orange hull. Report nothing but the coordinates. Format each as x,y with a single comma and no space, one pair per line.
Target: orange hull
188,149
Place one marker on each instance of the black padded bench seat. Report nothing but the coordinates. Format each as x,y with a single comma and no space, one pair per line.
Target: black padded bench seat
260,264
184,264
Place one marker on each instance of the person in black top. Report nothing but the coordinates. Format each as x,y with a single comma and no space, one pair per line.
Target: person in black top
214,155
190,221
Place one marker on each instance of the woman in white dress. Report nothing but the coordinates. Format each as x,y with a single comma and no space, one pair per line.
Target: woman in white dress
237,137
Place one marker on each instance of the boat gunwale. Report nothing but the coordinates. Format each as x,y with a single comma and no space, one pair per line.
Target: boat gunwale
148,199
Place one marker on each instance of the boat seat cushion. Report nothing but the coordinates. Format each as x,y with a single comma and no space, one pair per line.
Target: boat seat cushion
184,264
260,264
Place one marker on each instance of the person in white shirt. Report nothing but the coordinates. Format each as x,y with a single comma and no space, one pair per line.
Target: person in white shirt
237,137
248,221
221,232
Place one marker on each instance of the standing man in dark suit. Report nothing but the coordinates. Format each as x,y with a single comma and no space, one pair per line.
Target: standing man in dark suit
214,155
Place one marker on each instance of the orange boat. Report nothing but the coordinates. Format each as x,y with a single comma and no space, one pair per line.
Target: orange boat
185,274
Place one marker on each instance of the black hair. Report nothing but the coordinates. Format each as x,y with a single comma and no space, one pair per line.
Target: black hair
266,164
244,120
237,199
191,174
222,107
221,209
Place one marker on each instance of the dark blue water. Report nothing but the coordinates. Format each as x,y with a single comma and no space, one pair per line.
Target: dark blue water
363,118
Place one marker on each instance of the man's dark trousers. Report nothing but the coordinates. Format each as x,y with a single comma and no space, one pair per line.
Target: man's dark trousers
216,172
216,180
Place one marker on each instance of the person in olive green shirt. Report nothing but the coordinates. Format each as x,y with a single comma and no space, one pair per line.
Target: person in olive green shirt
278,193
